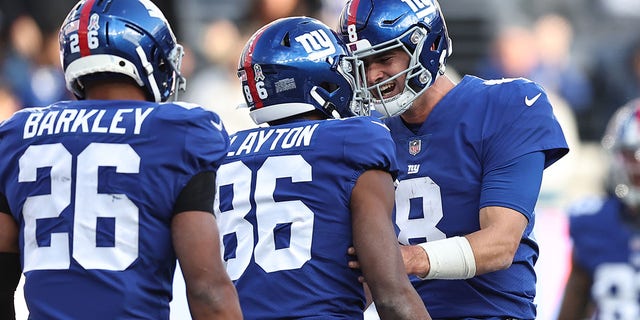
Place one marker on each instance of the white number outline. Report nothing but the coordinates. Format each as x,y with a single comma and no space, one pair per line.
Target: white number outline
89,206
621,303
425,227
269,213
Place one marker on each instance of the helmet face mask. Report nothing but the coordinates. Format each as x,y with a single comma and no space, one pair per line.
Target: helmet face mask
126,37
412,73
296,65
420,32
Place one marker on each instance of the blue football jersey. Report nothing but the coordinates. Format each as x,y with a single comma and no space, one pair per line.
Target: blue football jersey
609,249
477,127
283,212
92,185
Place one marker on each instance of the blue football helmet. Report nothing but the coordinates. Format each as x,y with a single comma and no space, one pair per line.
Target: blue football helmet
127,37
622,143
296,65
372,27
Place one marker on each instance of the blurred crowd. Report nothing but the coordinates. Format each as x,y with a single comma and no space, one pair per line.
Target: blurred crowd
585,53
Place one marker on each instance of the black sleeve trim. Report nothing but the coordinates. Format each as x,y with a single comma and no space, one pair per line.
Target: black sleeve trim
198,194
10,270
4,204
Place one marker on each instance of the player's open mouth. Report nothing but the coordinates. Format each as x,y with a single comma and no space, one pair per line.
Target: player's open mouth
386,90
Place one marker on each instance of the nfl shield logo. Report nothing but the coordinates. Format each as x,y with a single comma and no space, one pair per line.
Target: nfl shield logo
415,146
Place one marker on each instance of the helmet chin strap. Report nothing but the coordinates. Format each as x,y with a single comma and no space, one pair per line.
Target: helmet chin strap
175,60
395,105
149,69
328,107
331,109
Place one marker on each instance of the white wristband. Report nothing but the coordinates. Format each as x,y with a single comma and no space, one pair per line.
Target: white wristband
450,258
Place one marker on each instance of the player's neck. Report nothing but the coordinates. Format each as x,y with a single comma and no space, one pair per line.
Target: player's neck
428,100
115,91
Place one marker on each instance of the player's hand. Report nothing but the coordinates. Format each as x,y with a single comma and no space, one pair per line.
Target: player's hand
354,263
416,261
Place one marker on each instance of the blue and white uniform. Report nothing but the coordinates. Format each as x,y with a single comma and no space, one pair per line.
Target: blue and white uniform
478,127
608,248
92,186
283,211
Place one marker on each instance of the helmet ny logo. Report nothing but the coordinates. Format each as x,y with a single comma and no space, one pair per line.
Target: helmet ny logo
317,44
421,8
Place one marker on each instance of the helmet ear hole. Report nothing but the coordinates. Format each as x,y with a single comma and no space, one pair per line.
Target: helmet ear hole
163,65
436,43
329,86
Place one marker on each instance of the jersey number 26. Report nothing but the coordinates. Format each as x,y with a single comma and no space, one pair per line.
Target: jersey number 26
89,206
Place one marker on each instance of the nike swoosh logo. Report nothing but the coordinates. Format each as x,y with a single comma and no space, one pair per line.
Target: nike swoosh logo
217,125
530,102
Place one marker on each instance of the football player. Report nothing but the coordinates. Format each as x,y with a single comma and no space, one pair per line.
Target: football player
603,283
99,196
296,193
471,156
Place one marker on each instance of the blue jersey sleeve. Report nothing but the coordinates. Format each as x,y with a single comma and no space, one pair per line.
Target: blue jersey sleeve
594,226
9,148
583,215
208,141
205,139
368,145
525,124
518,181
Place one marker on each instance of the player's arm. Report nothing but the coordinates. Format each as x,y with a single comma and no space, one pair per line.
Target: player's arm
375,241
492,247
576,302
9,261
210,292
